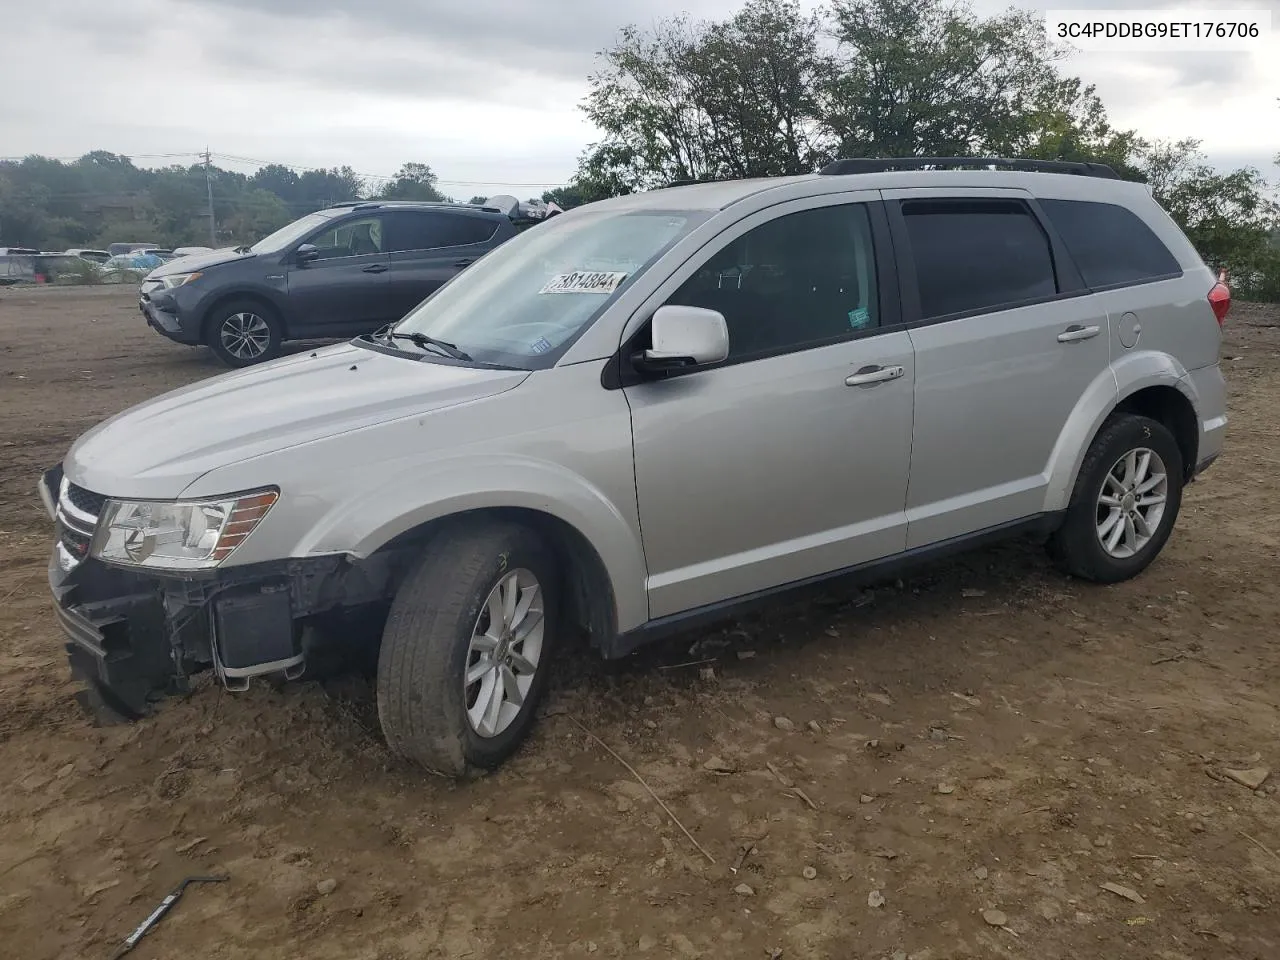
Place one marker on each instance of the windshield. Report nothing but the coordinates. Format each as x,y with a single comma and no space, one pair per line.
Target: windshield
525,303
286,235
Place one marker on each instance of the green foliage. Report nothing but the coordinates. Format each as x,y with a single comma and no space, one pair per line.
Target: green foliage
758,94
103,198
413,181
695,100
79,273
1231,218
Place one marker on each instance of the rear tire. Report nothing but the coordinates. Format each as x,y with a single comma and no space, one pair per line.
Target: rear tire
1125,502
244,332
482,604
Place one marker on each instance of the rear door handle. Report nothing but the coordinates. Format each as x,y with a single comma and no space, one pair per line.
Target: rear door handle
868,376
464,262
1076,332
376,268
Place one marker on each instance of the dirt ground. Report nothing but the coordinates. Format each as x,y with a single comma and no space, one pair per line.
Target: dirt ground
988,736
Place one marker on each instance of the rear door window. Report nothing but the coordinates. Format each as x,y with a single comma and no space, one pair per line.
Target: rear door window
977,255
1110,243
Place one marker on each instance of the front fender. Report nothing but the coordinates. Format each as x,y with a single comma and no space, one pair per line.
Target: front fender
407,499
275,296
1125,377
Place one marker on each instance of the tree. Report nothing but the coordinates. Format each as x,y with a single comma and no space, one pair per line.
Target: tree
1230,217
322,188
931,78
478,201
759,94
413,181
697,100
279,180
257,213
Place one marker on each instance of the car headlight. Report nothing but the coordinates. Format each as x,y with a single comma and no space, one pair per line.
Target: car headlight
178,279
182,535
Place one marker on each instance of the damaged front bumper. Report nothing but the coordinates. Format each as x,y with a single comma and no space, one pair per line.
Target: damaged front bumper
139,634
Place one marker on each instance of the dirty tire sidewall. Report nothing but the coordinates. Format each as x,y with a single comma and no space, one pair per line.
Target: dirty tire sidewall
1075,545
213,336
421,700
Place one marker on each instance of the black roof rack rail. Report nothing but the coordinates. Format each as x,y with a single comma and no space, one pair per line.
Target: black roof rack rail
695,181
880,165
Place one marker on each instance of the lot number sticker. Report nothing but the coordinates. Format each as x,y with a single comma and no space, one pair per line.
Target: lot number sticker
584,281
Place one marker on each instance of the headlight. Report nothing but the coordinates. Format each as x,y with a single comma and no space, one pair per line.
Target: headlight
187,535
178,279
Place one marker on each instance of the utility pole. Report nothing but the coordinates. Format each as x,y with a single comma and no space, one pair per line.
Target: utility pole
208,185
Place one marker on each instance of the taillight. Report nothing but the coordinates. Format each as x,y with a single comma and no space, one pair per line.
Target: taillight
1220,298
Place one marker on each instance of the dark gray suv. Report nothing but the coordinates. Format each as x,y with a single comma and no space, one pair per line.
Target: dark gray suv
339,272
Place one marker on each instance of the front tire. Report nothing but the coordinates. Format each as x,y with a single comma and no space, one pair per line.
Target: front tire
1125,502
466,649
244,332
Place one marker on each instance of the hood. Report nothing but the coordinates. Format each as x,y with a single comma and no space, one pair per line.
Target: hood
158,448
198,261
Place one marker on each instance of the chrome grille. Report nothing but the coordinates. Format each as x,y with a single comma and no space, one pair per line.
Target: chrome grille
77,515
83,500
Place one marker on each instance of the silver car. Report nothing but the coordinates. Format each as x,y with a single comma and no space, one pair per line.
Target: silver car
642,413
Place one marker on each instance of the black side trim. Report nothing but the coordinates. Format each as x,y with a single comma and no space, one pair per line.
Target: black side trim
623,644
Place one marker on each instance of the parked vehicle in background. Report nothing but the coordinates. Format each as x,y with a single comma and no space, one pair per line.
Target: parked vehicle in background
118,249
129,267
37,267
339,272
640,416
93,256
17,251
16,268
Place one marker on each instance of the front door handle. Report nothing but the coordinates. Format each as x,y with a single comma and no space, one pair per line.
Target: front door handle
1076,332
868,376
376,268
464,262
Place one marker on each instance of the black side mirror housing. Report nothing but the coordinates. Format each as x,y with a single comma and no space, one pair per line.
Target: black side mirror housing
306,253
659,366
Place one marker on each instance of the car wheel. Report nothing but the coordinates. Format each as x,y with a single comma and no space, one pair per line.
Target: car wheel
1125,502
466,648
244,332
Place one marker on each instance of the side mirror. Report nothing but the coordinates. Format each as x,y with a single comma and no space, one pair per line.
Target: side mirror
306,253
684,337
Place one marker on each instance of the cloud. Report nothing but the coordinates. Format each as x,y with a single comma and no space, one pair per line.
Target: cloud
486,91
555,38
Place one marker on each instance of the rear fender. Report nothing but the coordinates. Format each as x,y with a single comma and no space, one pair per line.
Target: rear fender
1125,377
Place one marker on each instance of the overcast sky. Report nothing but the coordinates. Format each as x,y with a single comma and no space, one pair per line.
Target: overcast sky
485,91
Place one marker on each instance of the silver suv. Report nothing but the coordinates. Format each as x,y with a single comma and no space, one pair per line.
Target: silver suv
642,414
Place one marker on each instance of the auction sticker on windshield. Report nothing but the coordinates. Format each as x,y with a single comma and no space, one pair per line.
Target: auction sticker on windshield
584,281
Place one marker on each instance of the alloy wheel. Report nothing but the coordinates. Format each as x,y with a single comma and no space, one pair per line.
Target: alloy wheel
1131,504
245,336
504,654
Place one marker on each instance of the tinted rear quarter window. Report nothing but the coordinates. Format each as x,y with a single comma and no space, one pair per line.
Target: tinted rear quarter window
1110,243
972,255
411,230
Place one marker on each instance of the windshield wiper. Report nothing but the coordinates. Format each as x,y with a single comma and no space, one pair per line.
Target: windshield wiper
423,342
